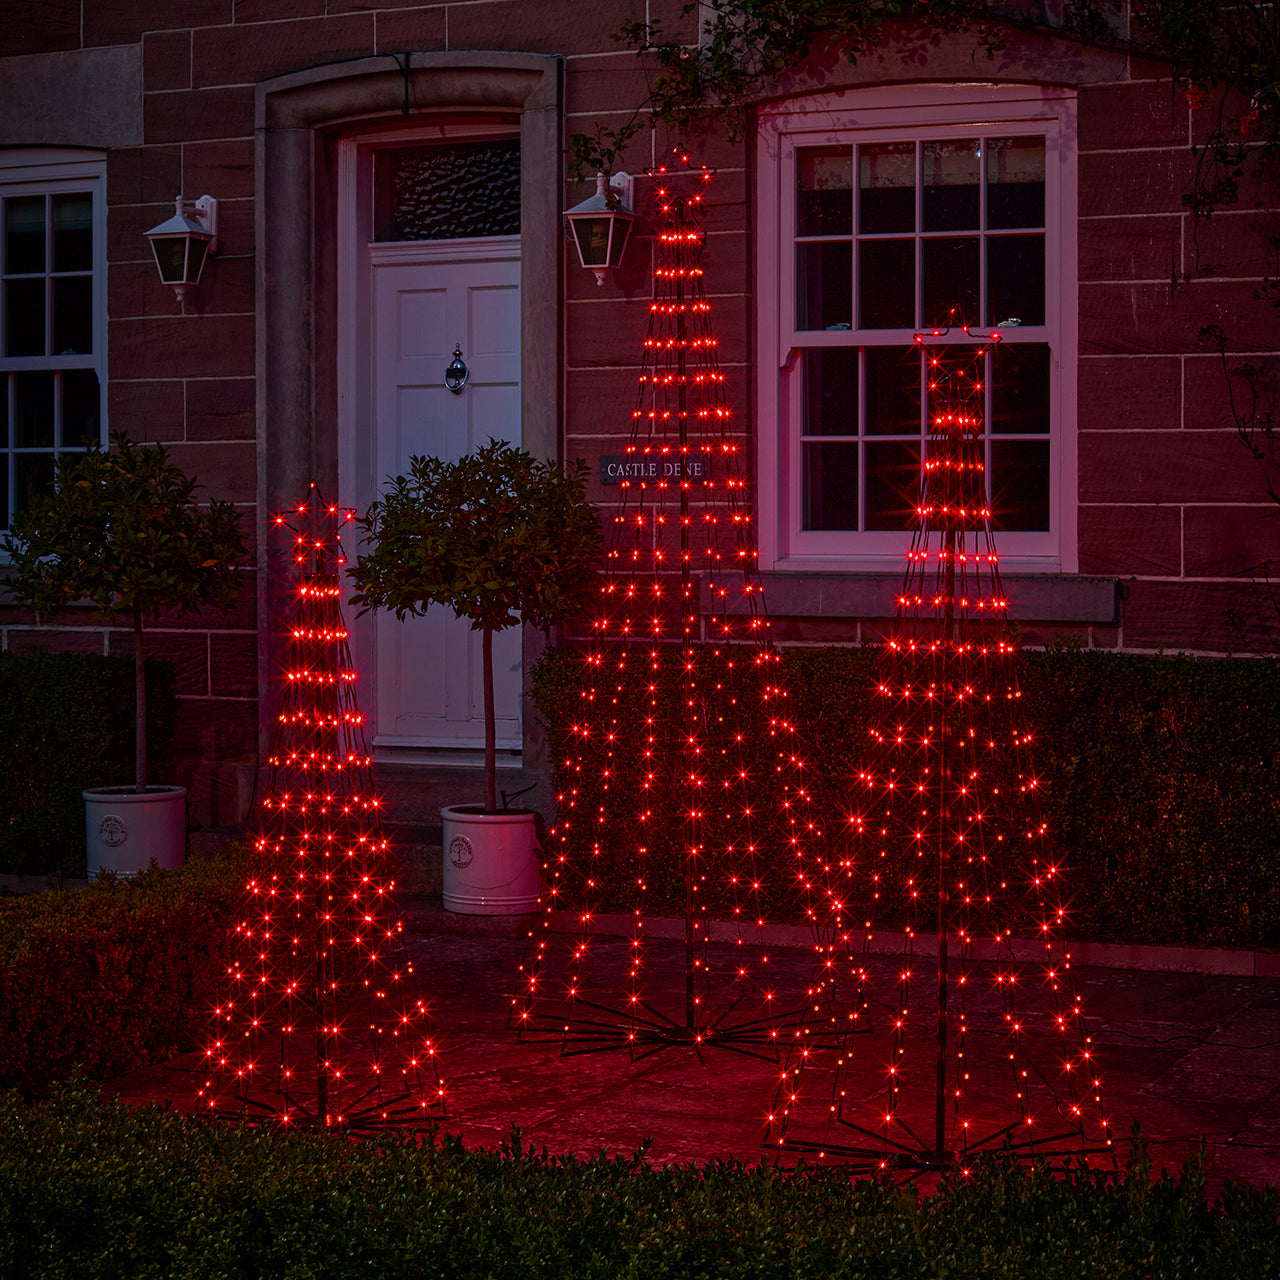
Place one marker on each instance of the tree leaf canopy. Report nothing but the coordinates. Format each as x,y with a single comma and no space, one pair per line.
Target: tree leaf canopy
122,529
495,536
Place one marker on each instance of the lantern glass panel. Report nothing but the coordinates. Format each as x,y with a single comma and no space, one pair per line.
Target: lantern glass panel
592,235
618,241
171,258
196,255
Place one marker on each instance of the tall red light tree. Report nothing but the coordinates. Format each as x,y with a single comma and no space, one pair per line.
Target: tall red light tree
682,738
977,1038
322,1024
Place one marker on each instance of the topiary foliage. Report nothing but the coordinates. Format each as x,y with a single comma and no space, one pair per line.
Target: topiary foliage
122,530
496,536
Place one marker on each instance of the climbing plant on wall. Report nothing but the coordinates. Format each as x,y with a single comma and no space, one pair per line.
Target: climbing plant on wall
723,55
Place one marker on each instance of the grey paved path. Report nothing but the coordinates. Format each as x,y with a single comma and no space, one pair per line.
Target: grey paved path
1186,1055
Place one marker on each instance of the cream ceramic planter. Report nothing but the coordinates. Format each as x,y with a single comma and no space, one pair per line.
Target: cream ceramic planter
491,861
124,830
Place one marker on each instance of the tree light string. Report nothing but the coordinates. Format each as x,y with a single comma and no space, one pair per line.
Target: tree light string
682,742
975,1042
321,1023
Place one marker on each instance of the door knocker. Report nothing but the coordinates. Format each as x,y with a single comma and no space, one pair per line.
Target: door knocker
456,375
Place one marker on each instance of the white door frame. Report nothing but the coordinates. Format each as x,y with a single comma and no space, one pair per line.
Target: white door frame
300,121
357,255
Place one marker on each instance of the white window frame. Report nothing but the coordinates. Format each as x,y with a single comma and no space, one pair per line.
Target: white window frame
905,112
53,171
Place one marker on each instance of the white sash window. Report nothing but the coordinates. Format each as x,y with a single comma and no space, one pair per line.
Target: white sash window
889,213
52,315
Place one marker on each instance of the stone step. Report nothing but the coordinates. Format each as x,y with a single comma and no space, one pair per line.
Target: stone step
416,867
413,795
425,913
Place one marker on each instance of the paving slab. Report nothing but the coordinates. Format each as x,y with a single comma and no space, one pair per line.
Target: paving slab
1187,1056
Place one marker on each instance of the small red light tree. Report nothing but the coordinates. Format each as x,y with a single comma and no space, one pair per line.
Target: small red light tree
682,742
322,1024
978,1042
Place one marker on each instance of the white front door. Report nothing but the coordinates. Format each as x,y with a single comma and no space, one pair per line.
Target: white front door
427,299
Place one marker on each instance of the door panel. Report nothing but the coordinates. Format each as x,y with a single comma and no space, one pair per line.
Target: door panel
428,672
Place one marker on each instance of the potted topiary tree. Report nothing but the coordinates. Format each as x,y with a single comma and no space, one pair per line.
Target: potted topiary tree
121,530
498,537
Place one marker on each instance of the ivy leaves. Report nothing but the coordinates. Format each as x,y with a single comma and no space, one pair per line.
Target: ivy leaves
742,47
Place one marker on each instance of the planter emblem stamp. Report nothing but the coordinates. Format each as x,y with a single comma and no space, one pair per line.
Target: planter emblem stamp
113,831
461,854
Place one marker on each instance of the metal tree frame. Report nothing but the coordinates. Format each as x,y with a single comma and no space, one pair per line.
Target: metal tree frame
948,803
680,695
322,1024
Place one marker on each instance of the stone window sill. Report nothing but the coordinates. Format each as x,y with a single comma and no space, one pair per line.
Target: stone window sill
1033,597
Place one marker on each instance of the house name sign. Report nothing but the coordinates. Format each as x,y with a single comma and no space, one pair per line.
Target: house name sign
617,468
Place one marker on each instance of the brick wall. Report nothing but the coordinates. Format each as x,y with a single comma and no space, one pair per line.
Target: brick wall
1170,500
1170,503
184,373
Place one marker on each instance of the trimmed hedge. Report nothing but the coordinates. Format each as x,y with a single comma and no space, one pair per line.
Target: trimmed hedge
67,723
1164,791
114,976
89,1189
1162,784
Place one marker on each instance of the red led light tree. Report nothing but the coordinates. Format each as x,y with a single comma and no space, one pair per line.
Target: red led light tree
322,1024
682,739
978,1040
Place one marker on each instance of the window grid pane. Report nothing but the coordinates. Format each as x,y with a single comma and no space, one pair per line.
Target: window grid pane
886,284
973,213
24,235
824,204
24,317
865,425
72,316
73,232
50,379
886,188
831,486
951,186
825,272
1015,182
80,414
33,409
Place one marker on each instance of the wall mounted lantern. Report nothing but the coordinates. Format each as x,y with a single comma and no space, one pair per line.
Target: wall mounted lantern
181,244
601,224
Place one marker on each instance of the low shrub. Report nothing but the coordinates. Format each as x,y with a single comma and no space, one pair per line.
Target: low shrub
1162,785
67,723
88,1188
114,976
